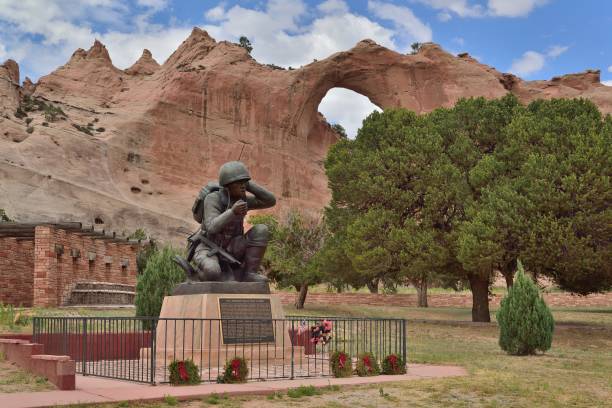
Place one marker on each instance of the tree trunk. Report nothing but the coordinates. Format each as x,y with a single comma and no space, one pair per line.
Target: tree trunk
509,279
421,288
480,298
373,286
299,302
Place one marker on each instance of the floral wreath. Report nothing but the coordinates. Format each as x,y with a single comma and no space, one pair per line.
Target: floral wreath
341,364
367,365
393,364
321,332
183,372
236,371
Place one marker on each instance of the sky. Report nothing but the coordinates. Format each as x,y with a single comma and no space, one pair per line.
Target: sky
534,39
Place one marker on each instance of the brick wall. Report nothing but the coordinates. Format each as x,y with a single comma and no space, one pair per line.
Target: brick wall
440,300
43,271
16,271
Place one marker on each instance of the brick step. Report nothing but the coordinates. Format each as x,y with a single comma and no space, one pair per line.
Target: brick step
104,286
101,297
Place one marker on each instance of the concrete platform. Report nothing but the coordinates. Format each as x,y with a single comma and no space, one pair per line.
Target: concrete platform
91,390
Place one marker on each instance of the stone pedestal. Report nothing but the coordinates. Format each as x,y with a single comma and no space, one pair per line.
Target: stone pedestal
227,320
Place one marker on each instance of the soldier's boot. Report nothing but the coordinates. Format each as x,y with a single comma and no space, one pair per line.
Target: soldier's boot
252,259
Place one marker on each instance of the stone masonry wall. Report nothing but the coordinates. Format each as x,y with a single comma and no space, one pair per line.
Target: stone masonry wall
16,271
63,258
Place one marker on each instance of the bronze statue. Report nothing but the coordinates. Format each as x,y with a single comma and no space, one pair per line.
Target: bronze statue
220,249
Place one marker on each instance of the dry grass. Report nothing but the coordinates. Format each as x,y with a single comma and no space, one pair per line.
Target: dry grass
13,379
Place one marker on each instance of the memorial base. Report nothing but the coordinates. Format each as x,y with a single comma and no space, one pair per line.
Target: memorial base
211,328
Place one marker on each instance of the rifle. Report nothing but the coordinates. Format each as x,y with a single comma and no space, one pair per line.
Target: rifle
198,237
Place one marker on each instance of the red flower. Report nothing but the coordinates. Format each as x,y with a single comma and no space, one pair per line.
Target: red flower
235,368
367,363
341,360
183,371
393,361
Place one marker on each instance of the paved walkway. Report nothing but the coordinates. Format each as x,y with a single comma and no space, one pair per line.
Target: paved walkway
99,390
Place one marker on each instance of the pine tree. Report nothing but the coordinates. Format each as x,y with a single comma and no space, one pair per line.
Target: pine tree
525,321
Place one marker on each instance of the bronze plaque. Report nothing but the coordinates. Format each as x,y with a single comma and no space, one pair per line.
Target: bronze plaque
246,320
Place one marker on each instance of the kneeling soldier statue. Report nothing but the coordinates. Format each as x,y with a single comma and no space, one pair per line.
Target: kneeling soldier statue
220,249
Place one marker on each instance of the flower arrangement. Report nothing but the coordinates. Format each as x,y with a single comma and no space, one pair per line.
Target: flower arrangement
321,332
393,364
183,372
340,364
236,371
367,365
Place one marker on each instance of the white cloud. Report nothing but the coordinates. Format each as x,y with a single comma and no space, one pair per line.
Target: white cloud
347,108
556,50
529,63
607,83
513,8
610,68
216,13
459,40
459,7
333,7
403,18
495,8
278,38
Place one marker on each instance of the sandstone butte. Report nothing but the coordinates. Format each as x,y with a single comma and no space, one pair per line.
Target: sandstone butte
164,130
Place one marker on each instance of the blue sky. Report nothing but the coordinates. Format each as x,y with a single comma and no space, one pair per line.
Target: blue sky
535,39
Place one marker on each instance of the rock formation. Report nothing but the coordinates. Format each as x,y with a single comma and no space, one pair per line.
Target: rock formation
135,145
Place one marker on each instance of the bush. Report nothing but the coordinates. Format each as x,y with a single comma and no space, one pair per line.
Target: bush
340,364
183,373
393,365
236,371
367,365
30,129
158,280
525,321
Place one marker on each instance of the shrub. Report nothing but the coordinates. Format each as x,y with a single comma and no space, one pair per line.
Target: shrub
393,365
236,371
100,129
157,281
184,373
367,365
30,129
28,121
340,364
525,322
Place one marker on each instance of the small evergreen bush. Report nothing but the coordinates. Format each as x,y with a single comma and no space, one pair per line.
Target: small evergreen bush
525,321
160,276
341,364
367,365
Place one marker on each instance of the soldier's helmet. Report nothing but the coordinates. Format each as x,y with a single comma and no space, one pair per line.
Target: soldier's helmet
233,171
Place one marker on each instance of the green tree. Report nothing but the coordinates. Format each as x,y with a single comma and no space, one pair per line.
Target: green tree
293,255
525,322
145,251
339,129
461,193
245,43
415,47
160,277
4,217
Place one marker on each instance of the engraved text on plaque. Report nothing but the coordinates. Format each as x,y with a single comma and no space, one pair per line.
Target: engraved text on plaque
246,320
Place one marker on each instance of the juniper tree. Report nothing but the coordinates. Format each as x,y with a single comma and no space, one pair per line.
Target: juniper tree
525,322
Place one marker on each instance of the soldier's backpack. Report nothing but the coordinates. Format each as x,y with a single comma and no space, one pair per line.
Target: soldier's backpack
198,205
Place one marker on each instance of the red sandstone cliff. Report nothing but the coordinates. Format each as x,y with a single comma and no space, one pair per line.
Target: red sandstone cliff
159,132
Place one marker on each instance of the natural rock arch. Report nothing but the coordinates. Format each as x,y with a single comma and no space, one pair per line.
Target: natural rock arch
164,122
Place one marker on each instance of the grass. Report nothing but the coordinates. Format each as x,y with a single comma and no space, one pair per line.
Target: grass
13,379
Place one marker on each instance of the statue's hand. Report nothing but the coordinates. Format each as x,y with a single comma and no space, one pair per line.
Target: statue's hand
240,207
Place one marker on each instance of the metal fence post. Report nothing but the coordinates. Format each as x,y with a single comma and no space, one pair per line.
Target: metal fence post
153,335
293,339
404,341
84,348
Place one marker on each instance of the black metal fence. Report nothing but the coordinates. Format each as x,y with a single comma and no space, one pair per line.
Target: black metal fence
141,349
